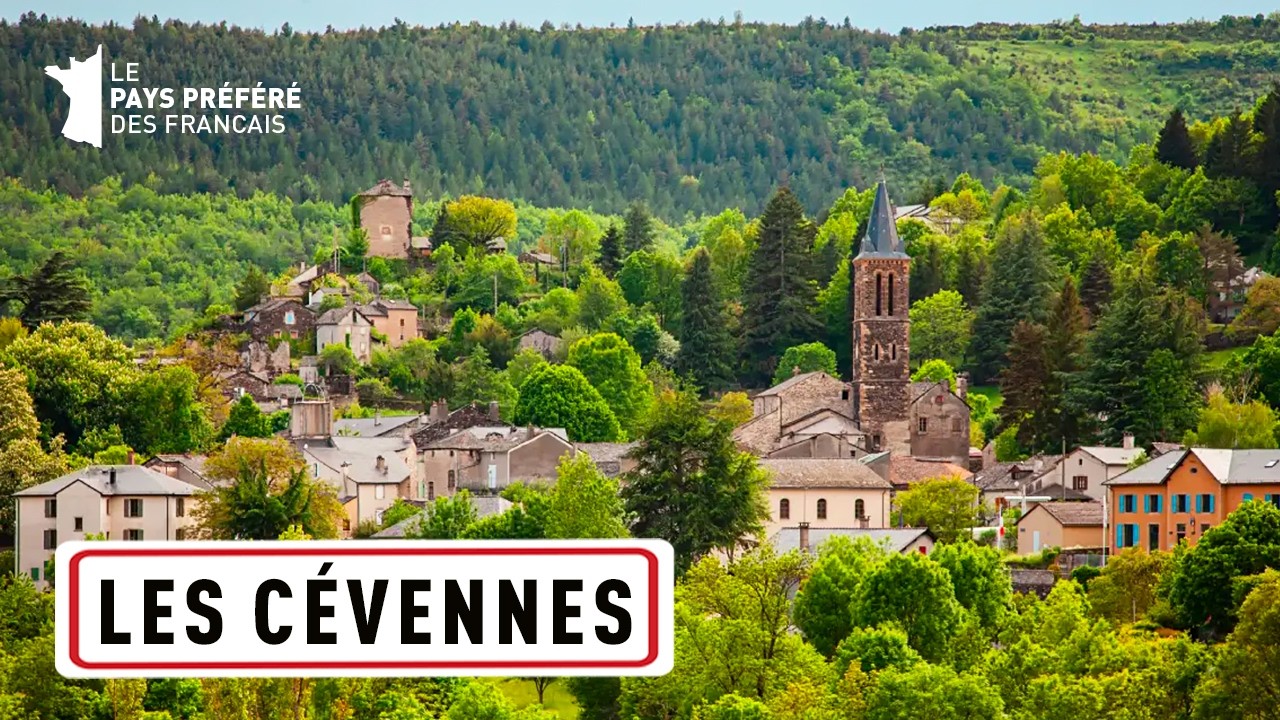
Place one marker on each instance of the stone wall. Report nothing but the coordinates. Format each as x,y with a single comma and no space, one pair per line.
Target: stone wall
881,332
387,220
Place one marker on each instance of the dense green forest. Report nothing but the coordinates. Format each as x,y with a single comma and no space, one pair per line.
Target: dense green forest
687,119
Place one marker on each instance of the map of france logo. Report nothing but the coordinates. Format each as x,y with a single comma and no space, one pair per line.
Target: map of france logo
82,82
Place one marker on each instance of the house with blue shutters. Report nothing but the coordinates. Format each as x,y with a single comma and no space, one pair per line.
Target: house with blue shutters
1179,495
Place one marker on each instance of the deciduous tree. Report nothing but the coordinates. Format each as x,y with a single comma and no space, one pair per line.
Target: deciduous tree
560,396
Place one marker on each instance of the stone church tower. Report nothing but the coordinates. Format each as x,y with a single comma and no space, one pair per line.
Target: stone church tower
879,282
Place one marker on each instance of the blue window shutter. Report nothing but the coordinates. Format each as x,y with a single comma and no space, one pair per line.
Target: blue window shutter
1119,535
1213,499
1198,499
1159,502
1146,503
1248,497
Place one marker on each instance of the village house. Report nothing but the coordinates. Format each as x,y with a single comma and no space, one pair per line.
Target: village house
345,326
806,415
1066,525
1180,495
905,471
386,215
486,459
396,320
542,341
1002,484
825,493
1085,469
610,457
122,502
280,317
809,539
1229,289
939,421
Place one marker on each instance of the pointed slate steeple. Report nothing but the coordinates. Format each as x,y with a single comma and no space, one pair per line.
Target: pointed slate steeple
881,240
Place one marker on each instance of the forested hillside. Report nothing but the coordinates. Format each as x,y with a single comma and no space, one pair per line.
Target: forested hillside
687,119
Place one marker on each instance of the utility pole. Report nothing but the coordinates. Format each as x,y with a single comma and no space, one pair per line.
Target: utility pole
495,293
1063,464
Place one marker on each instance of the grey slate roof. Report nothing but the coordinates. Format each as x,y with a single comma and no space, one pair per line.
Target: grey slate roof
130,480
372,427
1112,455
789,383
1071,514
362,455
1229,467
881,240
897,539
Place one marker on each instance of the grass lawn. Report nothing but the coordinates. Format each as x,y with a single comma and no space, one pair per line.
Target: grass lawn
558,698
991,391
1217,359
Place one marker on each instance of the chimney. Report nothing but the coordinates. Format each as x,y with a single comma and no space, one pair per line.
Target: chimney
795,370
377,417
111,476
129,458
493,410
1127,441
804,537
381,465
962,385
439,411
406,185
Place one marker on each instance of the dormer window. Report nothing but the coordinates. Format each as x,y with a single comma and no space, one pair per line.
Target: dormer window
288,318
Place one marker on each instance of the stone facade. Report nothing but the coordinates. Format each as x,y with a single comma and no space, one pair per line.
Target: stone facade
279,318
881,337
386,214
939,423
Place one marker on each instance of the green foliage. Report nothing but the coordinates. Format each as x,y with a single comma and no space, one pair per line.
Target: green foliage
979,578
692,486
399,510
809,357
822,604
947,506
253,287
252,508
935,371
445,518
705,343
52,293
338,359
560,396
940,327
1017,291
916,593
1225,424
613,368
584,503
653,279
876,648
246,420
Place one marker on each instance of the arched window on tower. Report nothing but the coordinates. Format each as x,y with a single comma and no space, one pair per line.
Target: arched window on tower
890,294
878,293
893,351
784,509
876,351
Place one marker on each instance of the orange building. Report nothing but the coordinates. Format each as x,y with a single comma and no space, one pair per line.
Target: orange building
1180,495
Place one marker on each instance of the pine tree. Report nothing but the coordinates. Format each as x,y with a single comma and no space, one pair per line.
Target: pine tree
610,258
637,229
779,291
1229,152
1266,121
705,345
53,292
1018,290
1174,145
252,288
1024,384
1095,287
1067,330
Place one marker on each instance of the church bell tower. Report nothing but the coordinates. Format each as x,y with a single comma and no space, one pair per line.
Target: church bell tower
879,284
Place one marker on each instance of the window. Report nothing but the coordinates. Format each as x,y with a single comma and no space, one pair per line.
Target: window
1080,482
133,534
923,425
401,322
51,508
1204,503
431,491
346,524
859,509
50,539
1126,535
784,509
1128,503
844,394
385,231
822,509
956,425
180,534
450,476
890,294
1205,528
1181,503
1152,503
1153,537
893,351
878,291
293,334
1181,534
288,318
379,492
79,524
378,517
877,351
133,507
1247,497
180,507
875,441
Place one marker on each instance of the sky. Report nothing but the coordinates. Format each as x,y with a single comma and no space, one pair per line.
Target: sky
881,14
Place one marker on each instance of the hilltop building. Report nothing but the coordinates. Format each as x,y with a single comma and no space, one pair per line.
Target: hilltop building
386,215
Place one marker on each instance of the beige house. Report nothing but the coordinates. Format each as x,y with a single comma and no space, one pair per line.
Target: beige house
1060,524
486,459
345,326
187,468
123,502
386,215
1085,469
831,493
369,473
396,320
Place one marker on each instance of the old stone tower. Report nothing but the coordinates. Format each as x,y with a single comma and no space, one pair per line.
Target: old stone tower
881,328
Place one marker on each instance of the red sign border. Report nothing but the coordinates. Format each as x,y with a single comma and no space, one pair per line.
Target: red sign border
74,610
